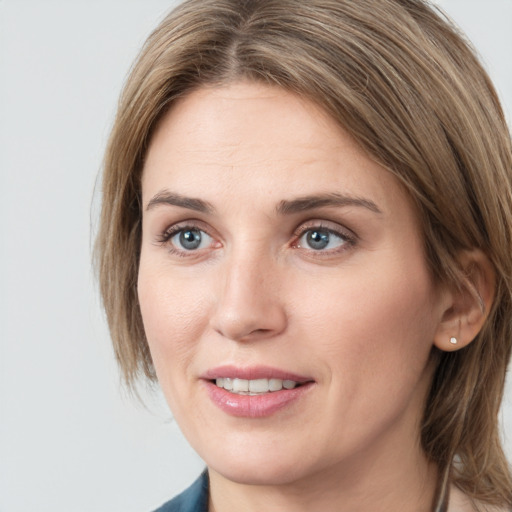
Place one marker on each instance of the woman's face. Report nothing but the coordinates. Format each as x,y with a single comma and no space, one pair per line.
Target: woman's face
276,254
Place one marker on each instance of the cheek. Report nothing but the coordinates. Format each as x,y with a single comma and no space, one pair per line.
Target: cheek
173,317
373,326
375,339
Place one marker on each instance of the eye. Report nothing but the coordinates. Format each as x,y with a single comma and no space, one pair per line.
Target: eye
323,239
186,240
190,239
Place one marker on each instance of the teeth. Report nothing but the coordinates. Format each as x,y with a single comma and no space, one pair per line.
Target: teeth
254,387
258,386
240,385
289,384
275,384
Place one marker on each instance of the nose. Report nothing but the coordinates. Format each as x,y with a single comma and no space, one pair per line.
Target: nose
249,303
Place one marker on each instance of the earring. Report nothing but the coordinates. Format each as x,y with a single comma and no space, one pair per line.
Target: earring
453,340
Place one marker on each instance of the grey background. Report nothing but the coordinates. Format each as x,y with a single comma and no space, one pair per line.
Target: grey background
70,438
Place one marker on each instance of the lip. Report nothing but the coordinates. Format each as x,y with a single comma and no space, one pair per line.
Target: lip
254,406
252,373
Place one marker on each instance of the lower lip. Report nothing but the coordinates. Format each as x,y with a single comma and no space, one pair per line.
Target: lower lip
255,406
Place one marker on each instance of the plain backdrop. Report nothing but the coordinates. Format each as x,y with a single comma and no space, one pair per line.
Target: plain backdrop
70,438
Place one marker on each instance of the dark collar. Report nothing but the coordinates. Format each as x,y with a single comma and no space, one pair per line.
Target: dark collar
193,499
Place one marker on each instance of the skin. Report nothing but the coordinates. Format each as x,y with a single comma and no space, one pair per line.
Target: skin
359,317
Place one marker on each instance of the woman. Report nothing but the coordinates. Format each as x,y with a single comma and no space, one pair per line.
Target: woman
306,237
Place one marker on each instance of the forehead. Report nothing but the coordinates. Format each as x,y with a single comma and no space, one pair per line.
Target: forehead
251,139
244,114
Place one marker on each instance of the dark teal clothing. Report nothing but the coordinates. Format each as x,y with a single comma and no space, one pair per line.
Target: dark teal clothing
193,499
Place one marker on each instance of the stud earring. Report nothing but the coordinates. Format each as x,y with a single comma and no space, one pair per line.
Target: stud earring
453,340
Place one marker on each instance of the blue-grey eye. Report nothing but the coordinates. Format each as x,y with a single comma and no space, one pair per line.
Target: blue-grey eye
320,239
191,239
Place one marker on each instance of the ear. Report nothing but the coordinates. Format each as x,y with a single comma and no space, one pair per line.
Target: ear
469,304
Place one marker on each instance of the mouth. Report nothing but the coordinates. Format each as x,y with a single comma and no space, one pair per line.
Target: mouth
255,392
254,387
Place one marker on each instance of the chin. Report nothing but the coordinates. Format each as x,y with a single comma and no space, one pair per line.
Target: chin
259,468
260,474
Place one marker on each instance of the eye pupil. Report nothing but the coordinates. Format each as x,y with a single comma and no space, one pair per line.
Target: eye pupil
318,239
190,239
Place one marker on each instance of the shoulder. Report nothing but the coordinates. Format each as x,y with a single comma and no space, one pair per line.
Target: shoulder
193,499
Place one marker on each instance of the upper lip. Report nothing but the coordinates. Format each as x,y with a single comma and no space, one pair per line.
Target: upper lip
253,373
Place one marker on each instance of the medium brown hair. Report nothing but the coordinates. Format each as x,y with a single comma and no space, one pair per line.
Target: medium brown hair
401,79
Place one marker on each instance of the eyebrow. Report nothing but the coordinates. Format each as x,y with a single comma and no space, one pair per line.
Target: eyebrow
305,203
173,199
285,207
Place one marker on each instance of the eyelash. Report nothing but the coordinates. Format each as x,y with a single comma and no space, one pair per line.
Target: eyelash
348,237
166,237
